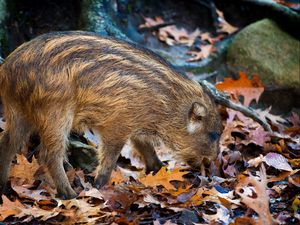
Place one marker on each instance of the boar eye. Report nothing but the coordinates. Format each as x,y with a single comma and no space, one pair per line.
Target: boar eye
213,136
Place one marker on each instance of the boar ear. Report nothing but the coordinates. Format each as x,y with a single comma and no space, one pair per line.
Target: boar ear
196,114
197,111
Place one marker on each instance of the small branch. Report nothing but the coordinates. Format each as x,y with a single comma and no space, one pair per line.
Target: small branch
223,99
156,27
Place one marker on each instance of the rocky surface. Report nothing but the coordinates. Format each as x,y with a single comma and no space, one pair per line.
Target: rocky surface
264,49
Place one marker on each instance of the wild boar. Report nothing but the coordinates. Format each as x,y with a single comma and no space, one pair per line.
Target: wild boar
69,81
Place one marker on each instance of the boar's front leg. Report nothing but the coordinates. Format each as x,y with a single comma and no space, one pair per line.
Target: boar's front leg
107,159
54,138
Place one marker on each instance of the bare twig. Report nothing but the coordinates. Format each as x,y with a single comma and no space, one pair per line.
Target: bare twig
223,99
155,27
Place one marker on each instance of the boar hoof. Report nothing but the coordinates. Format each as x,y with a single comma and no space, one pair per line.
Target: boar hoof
69,195
100,181
155,168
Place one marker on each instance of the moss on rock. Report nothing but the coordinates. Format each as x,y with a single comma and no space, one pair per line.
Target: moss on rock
264,49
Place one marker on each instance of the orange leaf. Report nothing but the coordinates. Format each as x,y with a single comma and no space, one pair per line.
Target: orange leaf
117,177
250,89
24,169
9,208
163,177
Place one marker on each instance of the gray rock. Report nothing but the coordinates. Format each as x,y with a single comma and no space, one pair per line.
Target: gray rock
265,49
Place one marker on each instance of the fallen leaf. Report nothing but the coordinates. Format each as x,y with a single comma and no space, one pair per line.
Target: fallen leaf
225,26
23,191
24,169
253,194
278,161
276,120
222,216
9,208
150,22
171,34
256,161
206,37
163,177
282,176
206,50
250,89
117,176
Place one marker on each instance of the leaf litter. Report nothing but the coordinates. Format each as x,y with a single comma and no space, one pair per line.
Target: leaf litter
255,180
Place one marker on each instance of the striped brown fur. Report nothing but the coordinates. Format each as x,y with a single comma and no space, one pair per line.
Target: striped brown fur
67,81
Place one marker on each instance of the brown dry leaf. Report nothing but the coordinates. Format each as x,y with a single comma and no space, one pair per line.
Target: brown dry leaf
256,161
39,213
221,217
9,208
282,176
78,211
163,177
225,26
24,169
250,89
253,194
24,191
117,177
93,192
244,221
171,34
295,180
206,50
149,22
206,37
276,120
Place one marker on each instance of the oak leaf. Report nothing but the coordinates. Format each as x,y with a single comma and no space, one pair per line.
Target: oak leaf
9,208
206,50
24,169
250,89
24,191
253,193
163,177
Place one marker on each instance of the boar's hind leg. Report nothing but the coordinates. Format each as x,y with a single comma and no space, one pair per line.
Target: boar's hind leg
147,151
54,138
17,131
107,159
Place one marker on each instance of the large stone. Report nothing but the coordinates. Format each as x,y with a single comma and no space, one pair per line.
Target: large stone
265,49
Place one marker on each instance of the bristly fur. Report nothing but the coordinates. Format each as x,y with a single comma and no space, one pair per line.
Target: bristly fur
66,81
